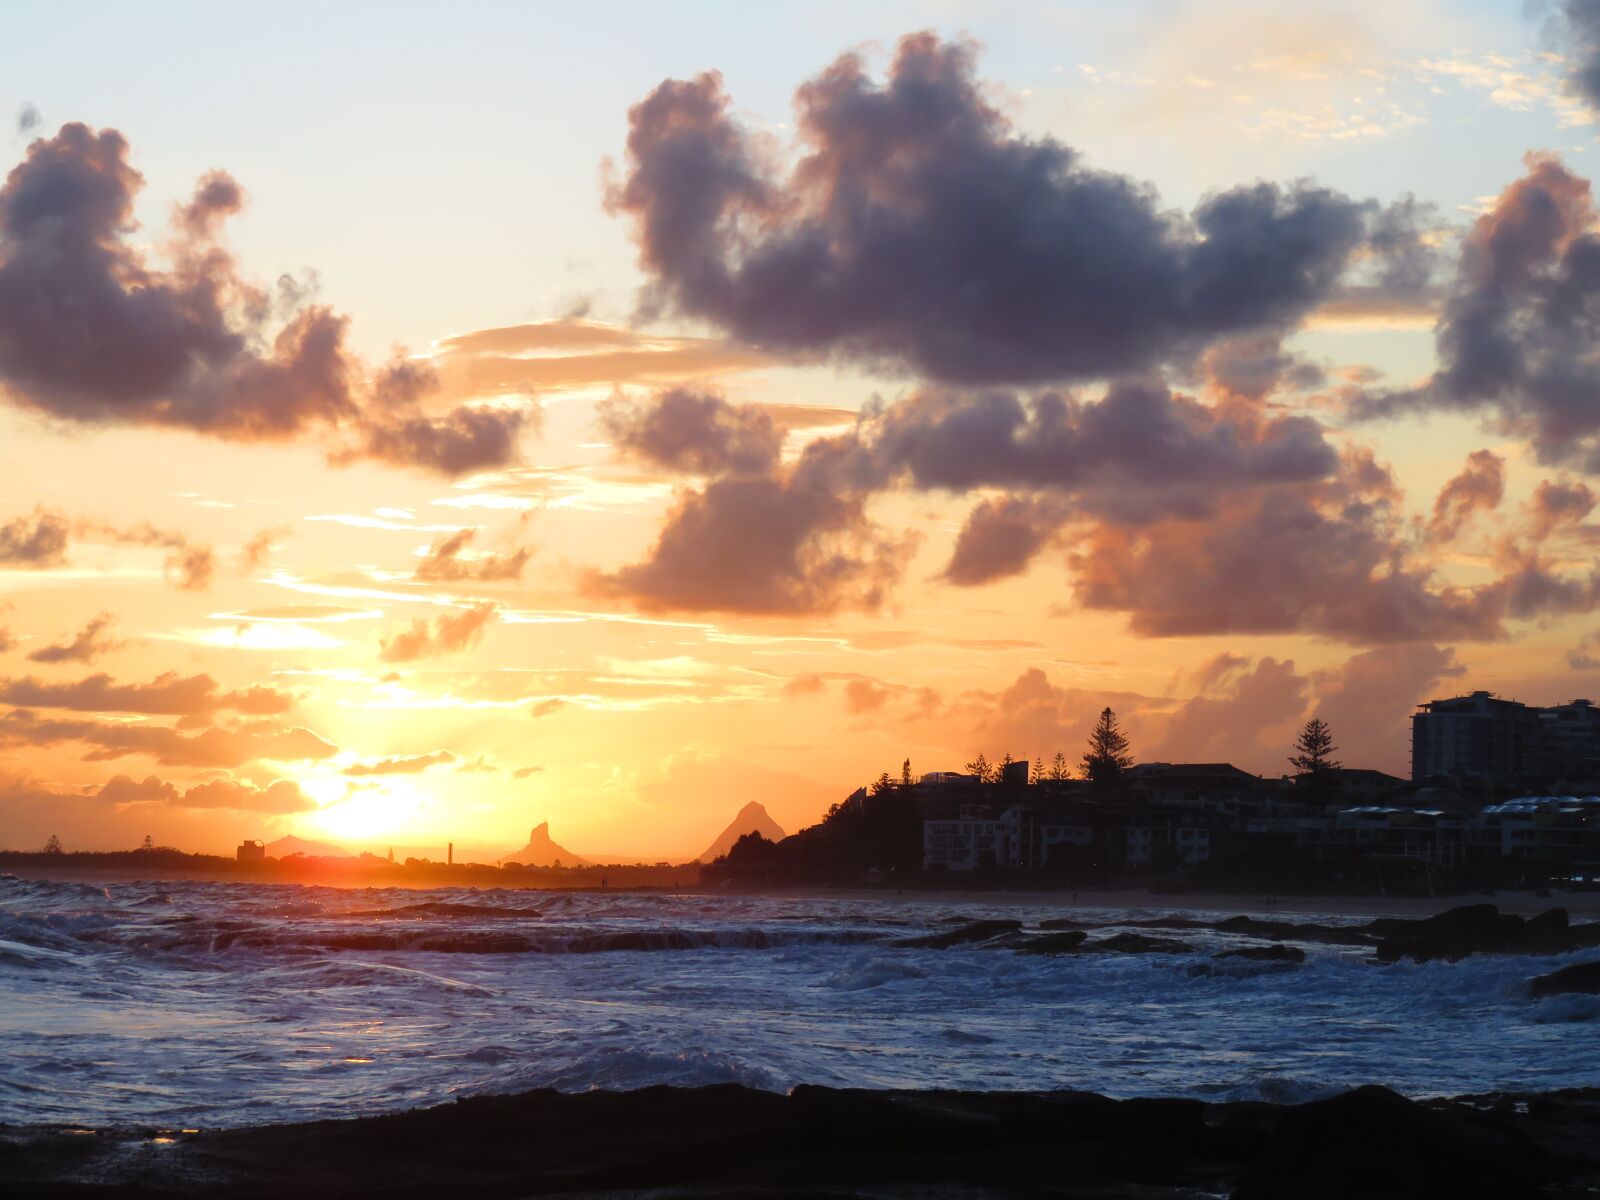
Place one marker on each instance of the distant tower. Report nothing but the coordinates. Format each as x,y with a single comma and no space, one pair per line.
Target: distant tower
450,855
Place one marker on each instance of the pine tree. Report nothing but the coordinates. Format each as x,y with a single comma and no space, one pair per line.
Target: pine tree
981,768
1037,774
53,846
1107,757
905,773
882,784
1316,748
1058,768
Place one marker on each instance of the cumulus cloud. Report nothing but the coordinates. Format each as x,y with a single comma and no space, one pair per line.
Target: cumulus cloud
1517,340
1241,713
1001,537
447,635
1578,27
799,541
919,230
1479,487
168,694
215,747
93,331
283,796
1557,504
88,644
1332,560
39,540
697,432
445,561
414,765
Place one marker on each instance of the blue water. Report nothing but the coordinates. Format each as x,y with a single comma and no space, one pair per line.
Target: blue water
211,1005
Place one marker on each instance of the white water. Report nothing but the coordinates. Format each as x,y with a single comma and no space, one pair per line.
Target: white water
230,1004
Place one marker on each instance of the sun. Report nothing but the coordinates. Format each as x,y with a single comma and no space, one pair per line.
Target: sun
372,813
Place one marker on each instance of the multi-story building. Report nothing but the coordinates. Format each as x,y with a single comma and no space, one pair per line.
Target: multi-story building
1505,743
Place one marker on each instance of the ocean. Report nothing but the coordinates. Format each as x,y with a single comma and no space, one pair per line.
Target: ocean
222,1005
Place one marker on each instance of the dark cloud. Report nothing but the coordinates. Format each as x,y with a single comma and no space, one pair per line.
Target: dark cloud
1332,560
1577,28
39,540
1001,538
28,119
169,694
447,635
1519,338
920,231
444,562
88,644
865,695
1479,487
1140,453
1557,504
284,796
92,331
214,748
698,432
797,542
413,765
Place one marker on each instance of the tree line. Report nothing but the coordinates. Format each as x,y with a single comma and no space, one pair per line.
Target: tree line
1107,757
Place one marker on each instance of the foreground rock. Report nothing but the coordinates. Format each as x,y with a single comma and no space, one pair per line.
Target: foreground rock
1580,978
1277,952
729,1141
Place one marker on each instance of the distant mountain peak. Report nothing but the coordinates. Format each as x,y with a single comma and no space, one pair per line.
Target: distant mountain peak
289,844
541,851
752,818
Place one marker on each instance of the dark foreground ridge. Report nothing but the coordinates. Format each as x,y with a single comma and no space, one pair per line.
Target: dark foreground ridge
731,1141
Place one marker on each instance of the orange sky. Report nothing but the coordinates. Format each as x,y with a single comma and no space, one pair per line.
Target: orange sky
827,477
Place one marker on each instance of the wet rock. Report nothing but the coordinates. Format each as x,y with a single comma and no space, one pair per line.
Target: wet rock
1064,942
1374,1143
1138,943
1479,929
1064,923
1582,978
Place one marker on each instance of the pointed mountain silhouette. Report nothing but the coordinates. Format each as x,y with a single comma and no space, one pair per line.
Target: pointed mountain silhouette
752,818
290,844
542,852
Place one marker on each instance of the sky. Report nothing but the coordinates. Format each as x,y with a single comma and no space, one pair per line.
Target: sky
418,424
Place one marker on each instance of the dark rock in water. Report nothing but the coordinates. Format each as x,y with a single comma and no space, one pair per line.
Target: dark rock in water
1376,1144
1064,942
1277,952
1479,929
976,931
1138,943
1582,978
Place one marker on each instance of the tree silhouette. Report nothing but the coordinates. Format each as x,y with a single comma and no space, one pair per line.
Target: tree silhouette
53,846
1315,746
1037,774
905,773
147,844
1058,768
882,784
1107,756
981,768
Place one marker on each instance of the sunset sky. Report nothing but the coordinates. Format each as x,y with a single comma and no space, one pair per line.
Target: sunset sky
419,424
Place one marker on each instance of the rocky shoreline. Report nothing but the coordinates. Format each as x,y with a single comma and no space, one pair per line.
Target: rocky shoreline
731,1141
